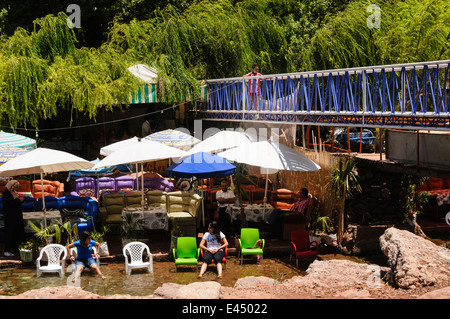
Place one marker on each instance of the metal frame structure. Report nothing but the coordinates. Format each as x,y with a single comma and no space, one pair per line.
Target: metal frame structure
408,96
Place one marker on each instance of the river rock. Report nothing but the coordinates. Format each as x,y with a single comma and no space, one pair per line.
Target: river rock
200,290
443,293
252,281
415,261
167,291
355,294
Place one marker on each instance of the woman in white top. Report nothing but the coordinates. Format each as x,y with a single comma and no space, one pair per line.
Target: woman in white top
215,242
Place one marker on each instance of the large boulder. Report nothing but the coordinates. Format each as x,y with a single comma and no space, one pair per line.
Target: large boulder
167,291
414,261
252,281
200,290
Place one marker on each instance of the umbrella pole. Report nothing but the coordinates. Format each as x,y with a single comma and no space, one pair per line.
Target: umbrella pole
137,176
142,185
44,210
203,203
265,193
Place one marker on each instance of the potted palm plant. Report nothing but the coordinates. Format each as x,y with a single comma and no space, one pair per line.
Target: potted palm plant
343,180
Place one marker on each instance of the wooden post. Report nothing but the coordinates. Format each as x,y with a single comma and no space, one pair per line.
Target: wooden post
360,139
307,135
303,137
381,143
417,148
332,140
318,135
349,150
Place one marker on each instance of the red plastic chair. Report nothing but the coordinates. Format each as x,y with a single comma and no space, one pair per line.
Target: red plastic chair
301,246
224,259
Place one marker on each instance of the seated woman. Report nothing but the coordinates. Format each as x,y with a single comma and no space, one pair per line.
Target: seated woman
84,254
213,249
298,208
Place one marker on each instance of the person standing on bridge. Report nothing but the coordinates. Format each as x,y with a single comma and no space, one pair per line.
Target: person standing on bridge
253,86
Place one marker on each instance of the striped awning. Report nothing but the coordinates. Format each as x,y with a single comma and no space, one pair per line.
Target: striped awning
174,138
16,140
9,152
149,94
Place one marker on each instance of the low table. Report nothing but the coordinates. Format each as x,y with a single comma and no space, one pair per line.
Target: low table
253,212
52,217
154,217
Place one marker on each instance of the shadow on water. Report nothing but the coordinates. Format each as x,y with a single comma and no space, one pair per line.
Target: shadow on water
16,280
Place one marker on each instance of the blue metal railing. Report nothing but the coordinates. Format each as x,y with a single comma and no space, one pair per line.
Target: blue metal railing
414,95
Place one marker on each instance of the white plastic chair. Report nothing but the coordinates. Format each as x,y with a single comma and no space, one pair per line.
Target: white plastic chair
135,250
55,264
73,252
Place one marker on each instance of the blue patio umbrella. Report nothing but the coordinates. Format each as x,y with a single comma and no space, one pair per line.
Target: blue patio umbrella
201,165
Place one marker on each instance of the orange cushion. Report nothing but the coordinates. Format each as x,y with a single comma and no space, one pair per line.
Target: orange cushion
436,183
282,205
283,191
282,197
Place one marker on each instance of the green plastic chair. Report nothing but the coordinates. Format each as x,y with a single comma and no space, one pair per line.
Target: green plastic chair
186,252
249,236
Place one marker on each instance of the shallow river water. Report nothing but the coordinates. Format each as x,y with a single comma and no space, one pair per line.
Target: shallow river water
16,280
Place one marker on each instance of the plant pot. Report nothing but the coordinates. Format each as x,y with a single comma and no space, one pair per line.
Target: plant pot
26,255
103,251
315,238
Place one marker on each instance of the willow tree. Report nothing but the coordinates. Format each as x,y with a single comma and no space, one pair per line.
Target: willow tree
42,71
210,39
407,31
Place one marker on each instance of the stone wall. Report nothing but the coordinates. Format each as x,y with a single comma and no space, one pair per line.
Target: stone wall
381,200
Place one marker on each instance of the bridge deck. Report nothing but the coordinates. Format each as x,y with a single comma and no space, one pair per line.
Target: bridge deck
408,96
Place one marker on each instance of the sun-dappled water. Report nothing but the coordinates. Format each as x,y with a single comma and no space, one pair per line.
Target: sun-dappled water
16,280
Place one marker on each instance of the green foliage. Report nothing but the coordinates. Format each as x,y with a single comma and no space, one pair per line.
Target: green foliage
413,201
42,72
30,244
343,179
410,31
43,233
99,236
46,67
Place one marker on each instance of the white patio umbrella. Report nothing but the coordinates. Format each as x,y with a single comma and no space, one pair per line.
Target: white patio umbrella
139,153
271,157
109,149
43,160
221,141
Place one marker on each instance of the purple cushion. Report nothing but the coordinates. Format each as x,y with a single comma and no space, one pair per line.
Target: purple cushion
106,183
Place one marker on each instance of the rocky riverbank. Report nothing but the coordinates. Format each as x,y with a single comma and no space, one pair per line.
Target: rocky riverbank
417,269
